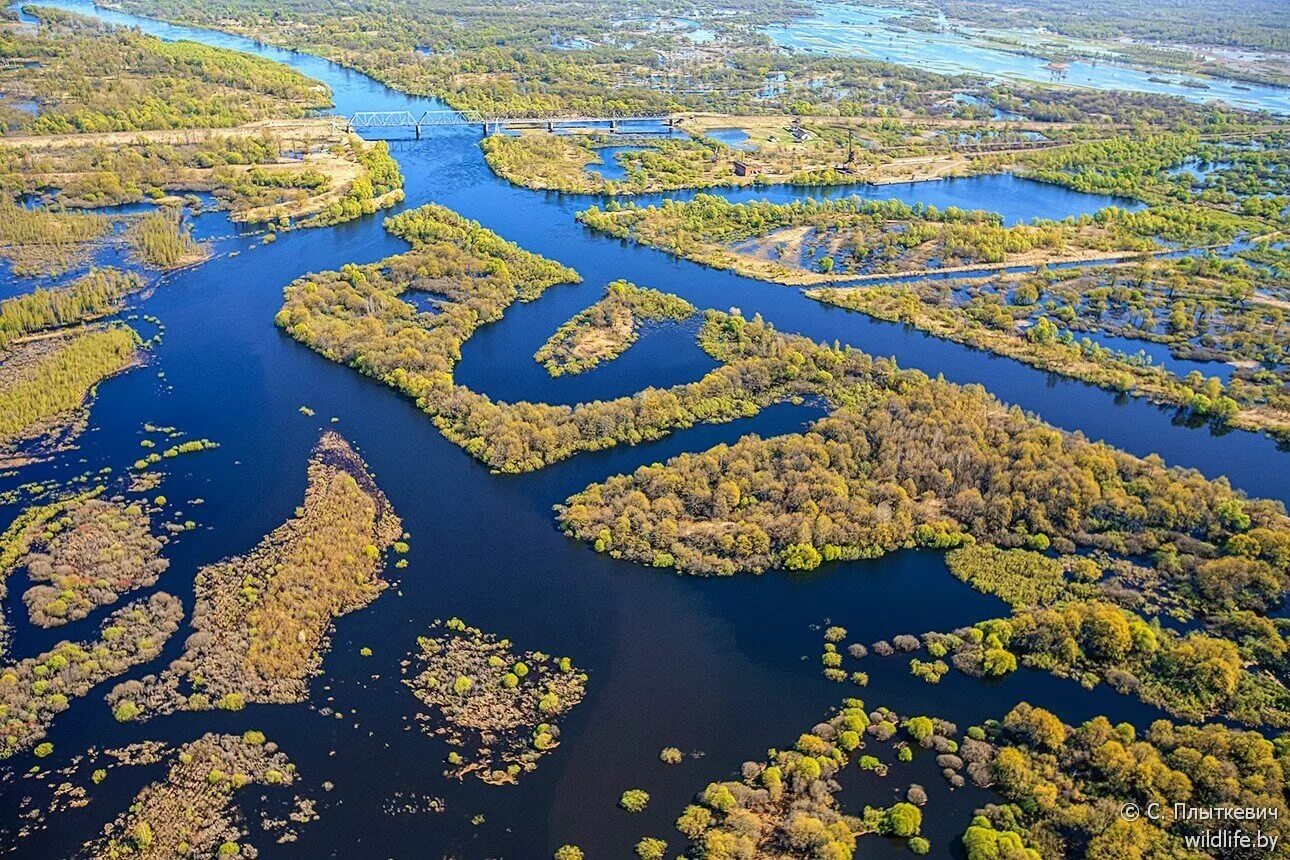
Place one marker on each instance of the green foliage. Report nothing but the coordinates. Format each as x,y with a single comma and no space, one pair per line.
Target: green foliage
44,242
35,690
1205,299
605,330
650,848
634,800
126,711
1056,780
91,77
1020,577
58,376
89,296
983,842
902,820
380,186
857,236
161,240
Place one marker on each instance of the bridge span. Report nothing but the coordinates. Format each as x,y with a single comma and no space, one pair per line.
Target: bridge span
432,118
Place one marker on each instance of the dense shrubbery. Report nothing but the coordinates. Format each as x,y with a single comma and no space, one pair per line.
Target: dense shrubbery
42,242
355,316
786,806
262,620
1066,787
1195,676
35,690
1020,577
379,187
86,558
44,381
1199,326
905,461
191,811
821,240
91,77
162,240
97,293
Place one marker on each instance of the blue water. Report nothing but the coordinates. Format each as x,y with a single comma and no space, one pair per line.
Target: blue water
610,168
735,138
858,30
726,666
1160,355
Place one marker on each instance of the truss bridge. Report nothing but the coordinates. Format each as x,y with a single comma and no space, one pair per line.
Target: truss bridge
492,124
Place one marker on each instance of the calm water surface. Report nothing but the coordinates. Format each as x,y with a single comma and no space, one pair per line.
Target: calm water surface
727,667
867,31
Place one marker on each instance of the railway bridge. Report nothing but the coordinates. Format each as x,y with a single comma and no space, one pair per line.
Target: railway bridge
442,117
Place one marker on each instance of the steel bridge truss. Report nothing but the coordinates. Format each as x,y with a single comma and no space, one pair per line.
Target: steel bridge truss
431,118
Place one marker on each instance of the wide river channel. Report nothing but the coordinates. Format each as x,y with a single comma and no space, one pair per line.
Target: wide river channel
728,667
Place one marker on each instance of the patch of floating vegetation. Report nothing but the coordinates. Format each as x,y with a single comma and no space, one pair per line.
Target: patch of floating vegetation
412,803
191,812
605,330
26,528
35,690
262,620
86,557
786,806
499,706
190,447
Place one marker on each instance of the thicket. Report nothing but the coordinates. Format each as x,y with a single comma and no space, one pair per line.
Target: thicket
1065,787
46,243
191,811
93,77
35,690
161,240
43,381
261,621
92,295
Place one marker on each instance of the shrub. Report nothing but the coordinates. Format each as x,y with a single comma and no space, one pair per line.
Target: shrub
634,800
650,848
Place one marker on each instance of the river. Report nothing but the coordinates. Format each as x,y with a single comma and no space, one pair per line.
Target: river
728,667
860,30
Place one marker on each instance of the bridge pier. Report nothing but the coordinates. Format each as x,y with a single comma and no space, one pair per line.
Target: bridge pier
489,125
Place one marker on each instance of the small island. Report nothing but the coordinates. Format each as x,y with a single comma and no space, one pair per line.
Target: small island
606,329
499,708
